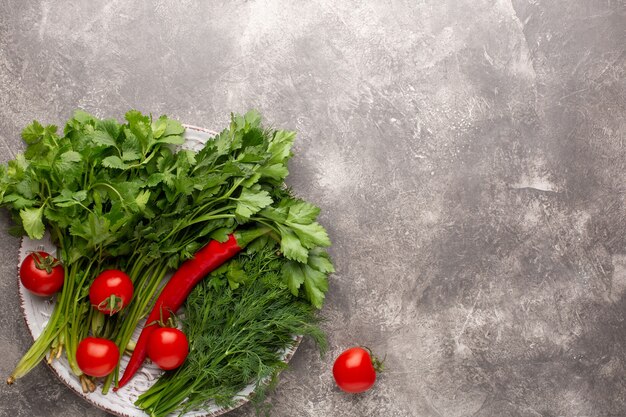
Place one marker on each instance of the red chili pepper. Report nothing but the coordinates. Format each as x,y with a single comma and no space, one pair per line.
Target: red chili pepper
175,292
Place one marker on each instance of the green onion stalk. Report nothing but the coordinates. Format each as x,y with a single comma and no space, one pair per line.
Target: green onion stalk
146,279
73,317
63,330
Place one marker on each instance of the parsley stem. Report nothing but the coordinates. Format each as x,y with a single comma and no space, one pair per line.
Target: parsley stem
143,162
276,234
147,277
209,204
232,189
208,217
109,186
200,219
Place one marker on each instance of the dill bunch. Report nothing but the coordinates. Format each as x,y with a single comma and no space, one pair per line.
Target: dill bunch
237,320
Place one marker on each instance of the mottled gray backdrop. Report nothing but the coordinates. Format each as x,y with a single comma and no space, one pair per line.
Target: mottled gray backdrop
468,156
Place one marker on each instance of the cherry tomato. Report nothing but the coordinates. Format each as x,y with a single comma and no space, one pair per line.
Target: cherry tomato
97,357
168,347
41,274
111,291
355,370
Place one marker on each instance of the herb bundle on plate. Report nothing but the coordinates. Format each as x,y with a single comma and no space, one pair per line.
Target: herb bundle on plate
238,321
127,198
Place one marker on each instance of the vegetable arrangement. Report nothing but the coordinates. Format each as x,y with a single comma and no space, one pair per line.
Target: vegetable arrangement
180,285
235,330
125,205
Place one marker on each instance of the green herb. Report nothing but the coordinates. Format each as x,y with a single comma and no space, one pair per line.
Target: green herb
72,186
236,334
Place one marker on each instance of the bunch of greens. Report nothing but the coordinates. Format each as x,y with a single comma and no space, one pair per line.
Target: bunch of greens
121,196
73,186
238,321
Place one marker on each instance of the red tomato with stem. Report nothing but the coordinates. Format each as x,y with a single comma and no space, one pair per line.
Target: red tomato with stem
111,291
96,356
168,347
41,274
355,370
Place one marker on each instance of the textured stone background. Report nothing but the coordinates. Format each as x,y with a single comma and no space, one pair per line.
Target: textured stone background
468,156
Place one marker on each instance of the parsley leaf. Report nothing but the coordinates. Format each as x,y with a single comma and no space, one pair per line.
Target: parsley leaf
293,276
319,260
280,146
315,285
302,212
113,161
251,202
277,172
33,132
32,222
102,138
291,246
315,282
310,235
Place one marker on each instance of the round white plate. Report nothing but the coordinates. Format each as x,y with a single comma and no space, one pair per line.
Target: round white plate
37,310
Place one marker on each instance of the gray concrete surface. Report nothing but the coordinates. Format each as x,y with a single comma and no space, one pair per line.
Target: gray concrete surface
468,156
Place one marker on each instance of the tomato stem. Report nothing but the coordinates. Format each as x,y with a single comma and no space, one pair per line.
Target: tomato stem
111,305
171,321
379,365
46,263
